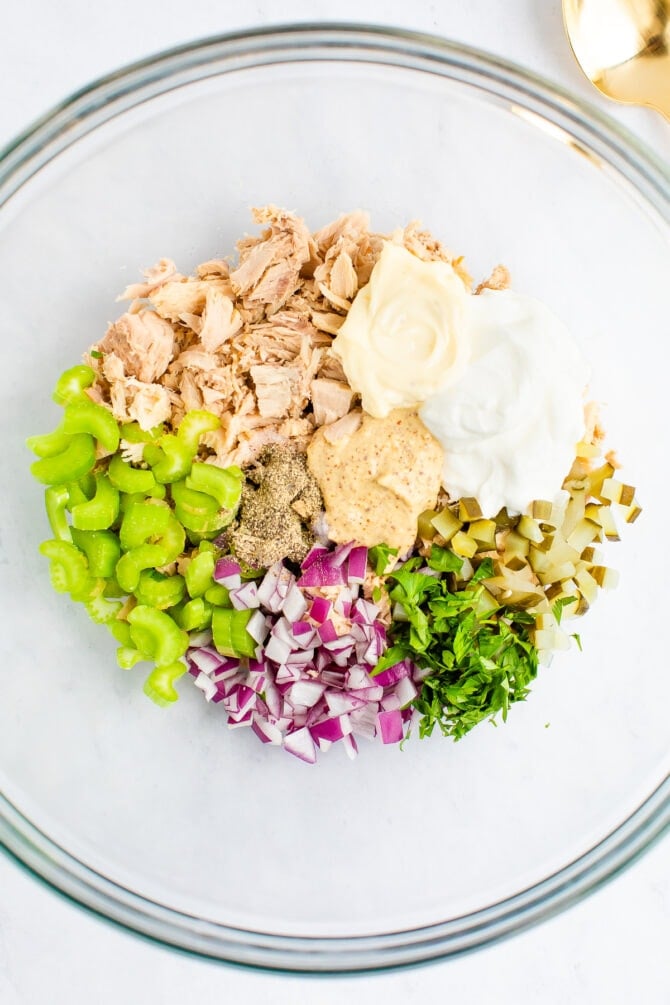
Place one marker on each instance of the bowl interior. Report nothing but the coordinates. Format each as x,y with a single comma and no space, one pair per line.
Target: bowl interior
171,804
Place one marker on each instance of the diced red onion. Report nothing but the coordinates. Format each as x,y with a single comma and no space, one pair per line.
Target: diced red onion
256,681
269,594
357,563
206,659
294,604
231,668
390,726
300,658
308,685
266,731
244,719
288,674
306,693
320,609
405,690
390,701
357,678
322,572
332,729
365,610
370,694
277,649
327,632
301,745
197,640
392,674
227,572
258,627
340,703
245,597
204,684
318,551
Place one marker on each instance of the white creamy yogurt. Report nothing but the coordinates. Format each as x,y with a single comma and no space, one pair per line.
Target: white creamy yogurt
510,420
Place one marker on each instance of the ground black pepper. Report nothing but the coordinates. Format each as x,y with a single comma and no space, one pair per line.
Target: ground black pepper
280,499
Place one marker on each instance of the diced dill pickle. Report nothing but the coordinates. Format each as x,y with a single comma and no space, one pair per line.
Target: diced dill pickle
503,519
446,524
517,545
633,512
529,528
425,524
486,602
557,573
597,477
606,521
574,511
606,578
587,585
542,509
612,489
516,563
627,497
469,509
484,533
463,545
584,533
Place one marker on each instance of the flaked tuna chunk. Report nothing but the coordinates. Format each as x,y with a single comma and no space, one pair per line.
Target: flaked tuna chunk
343,278
344,427
331,367
164,271
191,394
269,268
426,247
143,342
500,279
174,301
354,226
331,399
275,388
215,268
136,401
220,320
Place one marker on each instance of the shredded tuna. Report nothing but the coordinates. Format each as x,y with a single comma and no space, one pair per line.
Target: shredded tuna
331,399
499,279
143,342
251,341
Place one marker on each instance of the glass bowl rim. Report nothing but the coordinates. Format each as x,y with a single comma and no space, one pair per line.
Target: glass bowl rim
602,137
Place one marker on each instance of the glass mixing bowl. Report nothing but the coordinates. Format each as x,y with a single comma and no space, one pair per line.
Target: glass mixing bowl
162,820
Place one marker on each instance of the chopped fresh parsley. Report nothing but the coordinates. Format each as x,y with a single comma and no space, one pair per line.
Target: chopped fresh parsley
557,608
481,661
380,557
96,354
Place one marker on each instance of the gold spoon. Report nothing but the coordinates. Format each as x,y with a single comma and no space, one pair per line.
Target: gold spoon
623,47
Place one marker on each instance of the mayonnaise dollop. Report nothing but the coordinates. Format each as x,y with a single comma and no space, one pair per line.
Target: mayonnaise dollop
405,335
510,422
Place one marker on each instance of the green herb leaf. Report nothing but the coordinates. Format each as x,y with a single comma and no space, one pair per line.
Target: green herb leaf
480,662
557,608
444,560
380,557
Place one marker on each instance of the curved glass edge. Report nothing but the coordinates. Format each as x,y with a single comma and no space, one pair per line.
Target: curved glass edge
90,108
110,95
335,955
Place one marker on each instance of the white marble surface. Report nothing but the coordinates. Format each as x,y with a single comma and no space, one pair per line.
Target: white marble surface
611,948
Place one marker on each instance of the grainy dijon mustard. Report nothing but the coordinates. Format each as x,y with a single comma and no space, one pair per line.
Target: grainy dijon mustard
376,481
